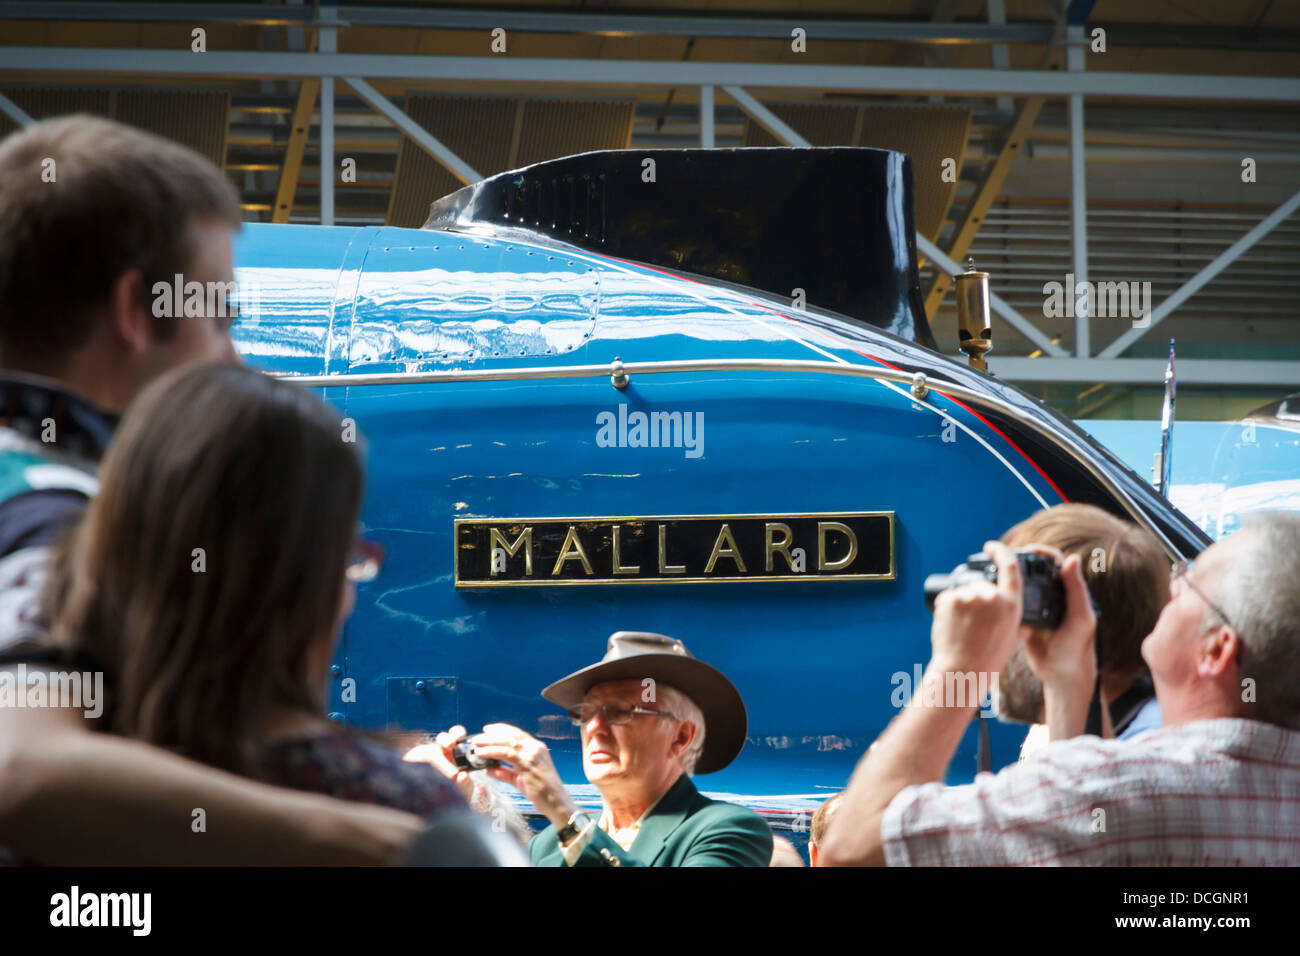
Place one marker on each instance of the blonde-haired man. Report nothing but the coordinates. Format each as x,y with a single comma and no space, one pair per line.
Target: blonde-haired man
1127,576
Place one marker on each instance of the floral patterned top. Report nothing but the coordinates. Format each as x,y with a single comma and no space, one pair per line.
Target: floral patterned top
350,766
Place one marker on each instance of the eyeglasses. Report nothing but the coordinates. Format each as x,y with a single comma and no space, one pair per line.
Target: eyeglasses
613,713
1181,570
366,559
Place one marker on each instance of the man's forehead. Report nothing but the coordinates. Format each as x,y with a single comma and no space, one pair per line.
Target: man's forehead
614,690
1211,562
213,241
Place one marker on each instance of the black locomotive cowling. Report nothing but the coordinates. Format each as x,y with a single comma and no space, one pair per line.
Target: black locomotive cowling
833,222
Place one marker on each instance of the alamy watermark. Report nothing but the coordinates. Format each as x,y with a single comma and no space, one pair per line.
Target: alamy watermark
180,299
41,688
949,689
1102,300
625,429
76,908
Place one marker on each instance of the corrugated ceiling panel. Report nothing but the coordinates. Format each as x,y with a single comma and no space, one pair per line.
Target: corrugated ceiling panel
477,129
45,102
197,118
554,128
494,134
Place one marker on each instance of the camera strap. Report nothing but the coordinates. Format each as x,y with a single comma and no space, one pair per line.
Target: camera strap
983,749
1093,725
1129,704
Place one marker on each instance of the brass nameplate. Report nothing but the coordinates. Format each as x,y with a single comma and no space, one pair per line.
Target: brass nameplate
853,546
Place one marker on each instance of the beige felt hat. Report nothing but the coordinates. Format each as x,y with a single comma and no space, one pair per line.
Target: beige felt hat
638,655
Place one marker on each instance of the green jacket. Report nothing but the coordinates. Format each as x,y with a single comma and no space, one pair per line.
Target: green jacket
684,829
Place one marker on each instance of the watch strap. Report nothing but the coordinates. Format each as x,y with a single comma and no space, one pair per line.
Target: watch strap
578,822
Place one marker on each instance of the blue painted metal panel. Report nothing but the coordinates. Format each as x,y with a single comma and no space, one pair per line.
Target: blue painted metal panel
813,660
820,663
289,278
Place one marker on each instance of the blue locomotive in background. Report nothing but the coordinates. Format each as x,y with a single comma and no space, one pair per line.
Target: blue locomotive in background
703,402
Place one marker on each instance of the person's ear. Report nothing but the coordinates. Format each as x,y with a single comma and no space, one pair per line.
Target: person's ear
682,739
1219,652
130,324
812,853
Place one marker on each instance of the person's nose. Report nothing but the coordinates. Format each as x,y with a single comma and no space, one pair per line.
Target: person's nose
598,724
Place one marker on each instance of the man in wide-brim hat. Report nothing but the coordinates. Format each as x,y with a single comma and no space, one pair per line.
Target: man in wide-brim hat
650,715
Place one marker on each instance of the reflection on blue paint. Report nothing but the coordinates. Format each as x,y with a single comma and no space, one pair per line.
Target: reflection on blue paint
1223,471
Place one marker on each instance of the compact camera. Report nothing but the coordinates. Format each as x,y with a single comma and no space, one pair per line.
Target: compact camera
467,759
1044,592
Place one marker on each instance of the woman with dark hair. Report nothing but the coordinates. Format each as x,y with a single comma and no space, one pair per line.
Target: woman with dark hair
210,577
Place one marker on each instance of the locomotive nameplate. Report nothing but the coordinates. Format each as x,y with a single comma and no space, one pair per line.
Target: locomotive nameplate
694,549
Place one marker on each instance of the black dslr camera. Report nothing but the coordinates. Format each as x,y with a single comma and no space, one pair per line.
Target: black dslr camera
467,759
1044,592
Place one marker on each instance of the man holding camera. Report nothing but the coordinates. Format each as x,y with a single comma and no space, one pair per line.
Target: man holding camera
649,716
1218,784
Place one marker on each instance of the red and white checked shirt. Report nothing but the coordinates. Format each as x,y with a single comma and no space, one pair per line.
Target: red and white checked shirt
1207,793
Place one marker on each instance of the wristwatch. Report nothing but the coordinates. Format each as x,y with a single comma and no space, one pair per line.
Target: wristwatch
577,823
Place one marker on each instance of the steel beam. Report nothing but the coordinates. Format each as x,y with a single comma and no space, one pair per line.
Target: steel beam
901,30
327,39
1194,284
538,21
1052,152
729,28
422,137
327,151
764,117
707,139
298,134
1078,11
985,194
15,112
29,61
1163,35
1078,192
943,12
997,15
1130,371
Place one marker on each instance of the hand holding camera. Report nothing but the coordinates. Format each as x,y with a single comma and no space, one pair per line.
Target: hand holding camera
453,754
1064,657
977,616
1044,595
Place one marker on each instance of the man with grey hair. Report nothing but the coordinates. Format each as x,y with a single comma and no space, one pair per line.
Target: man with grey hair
1218,784
650,715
